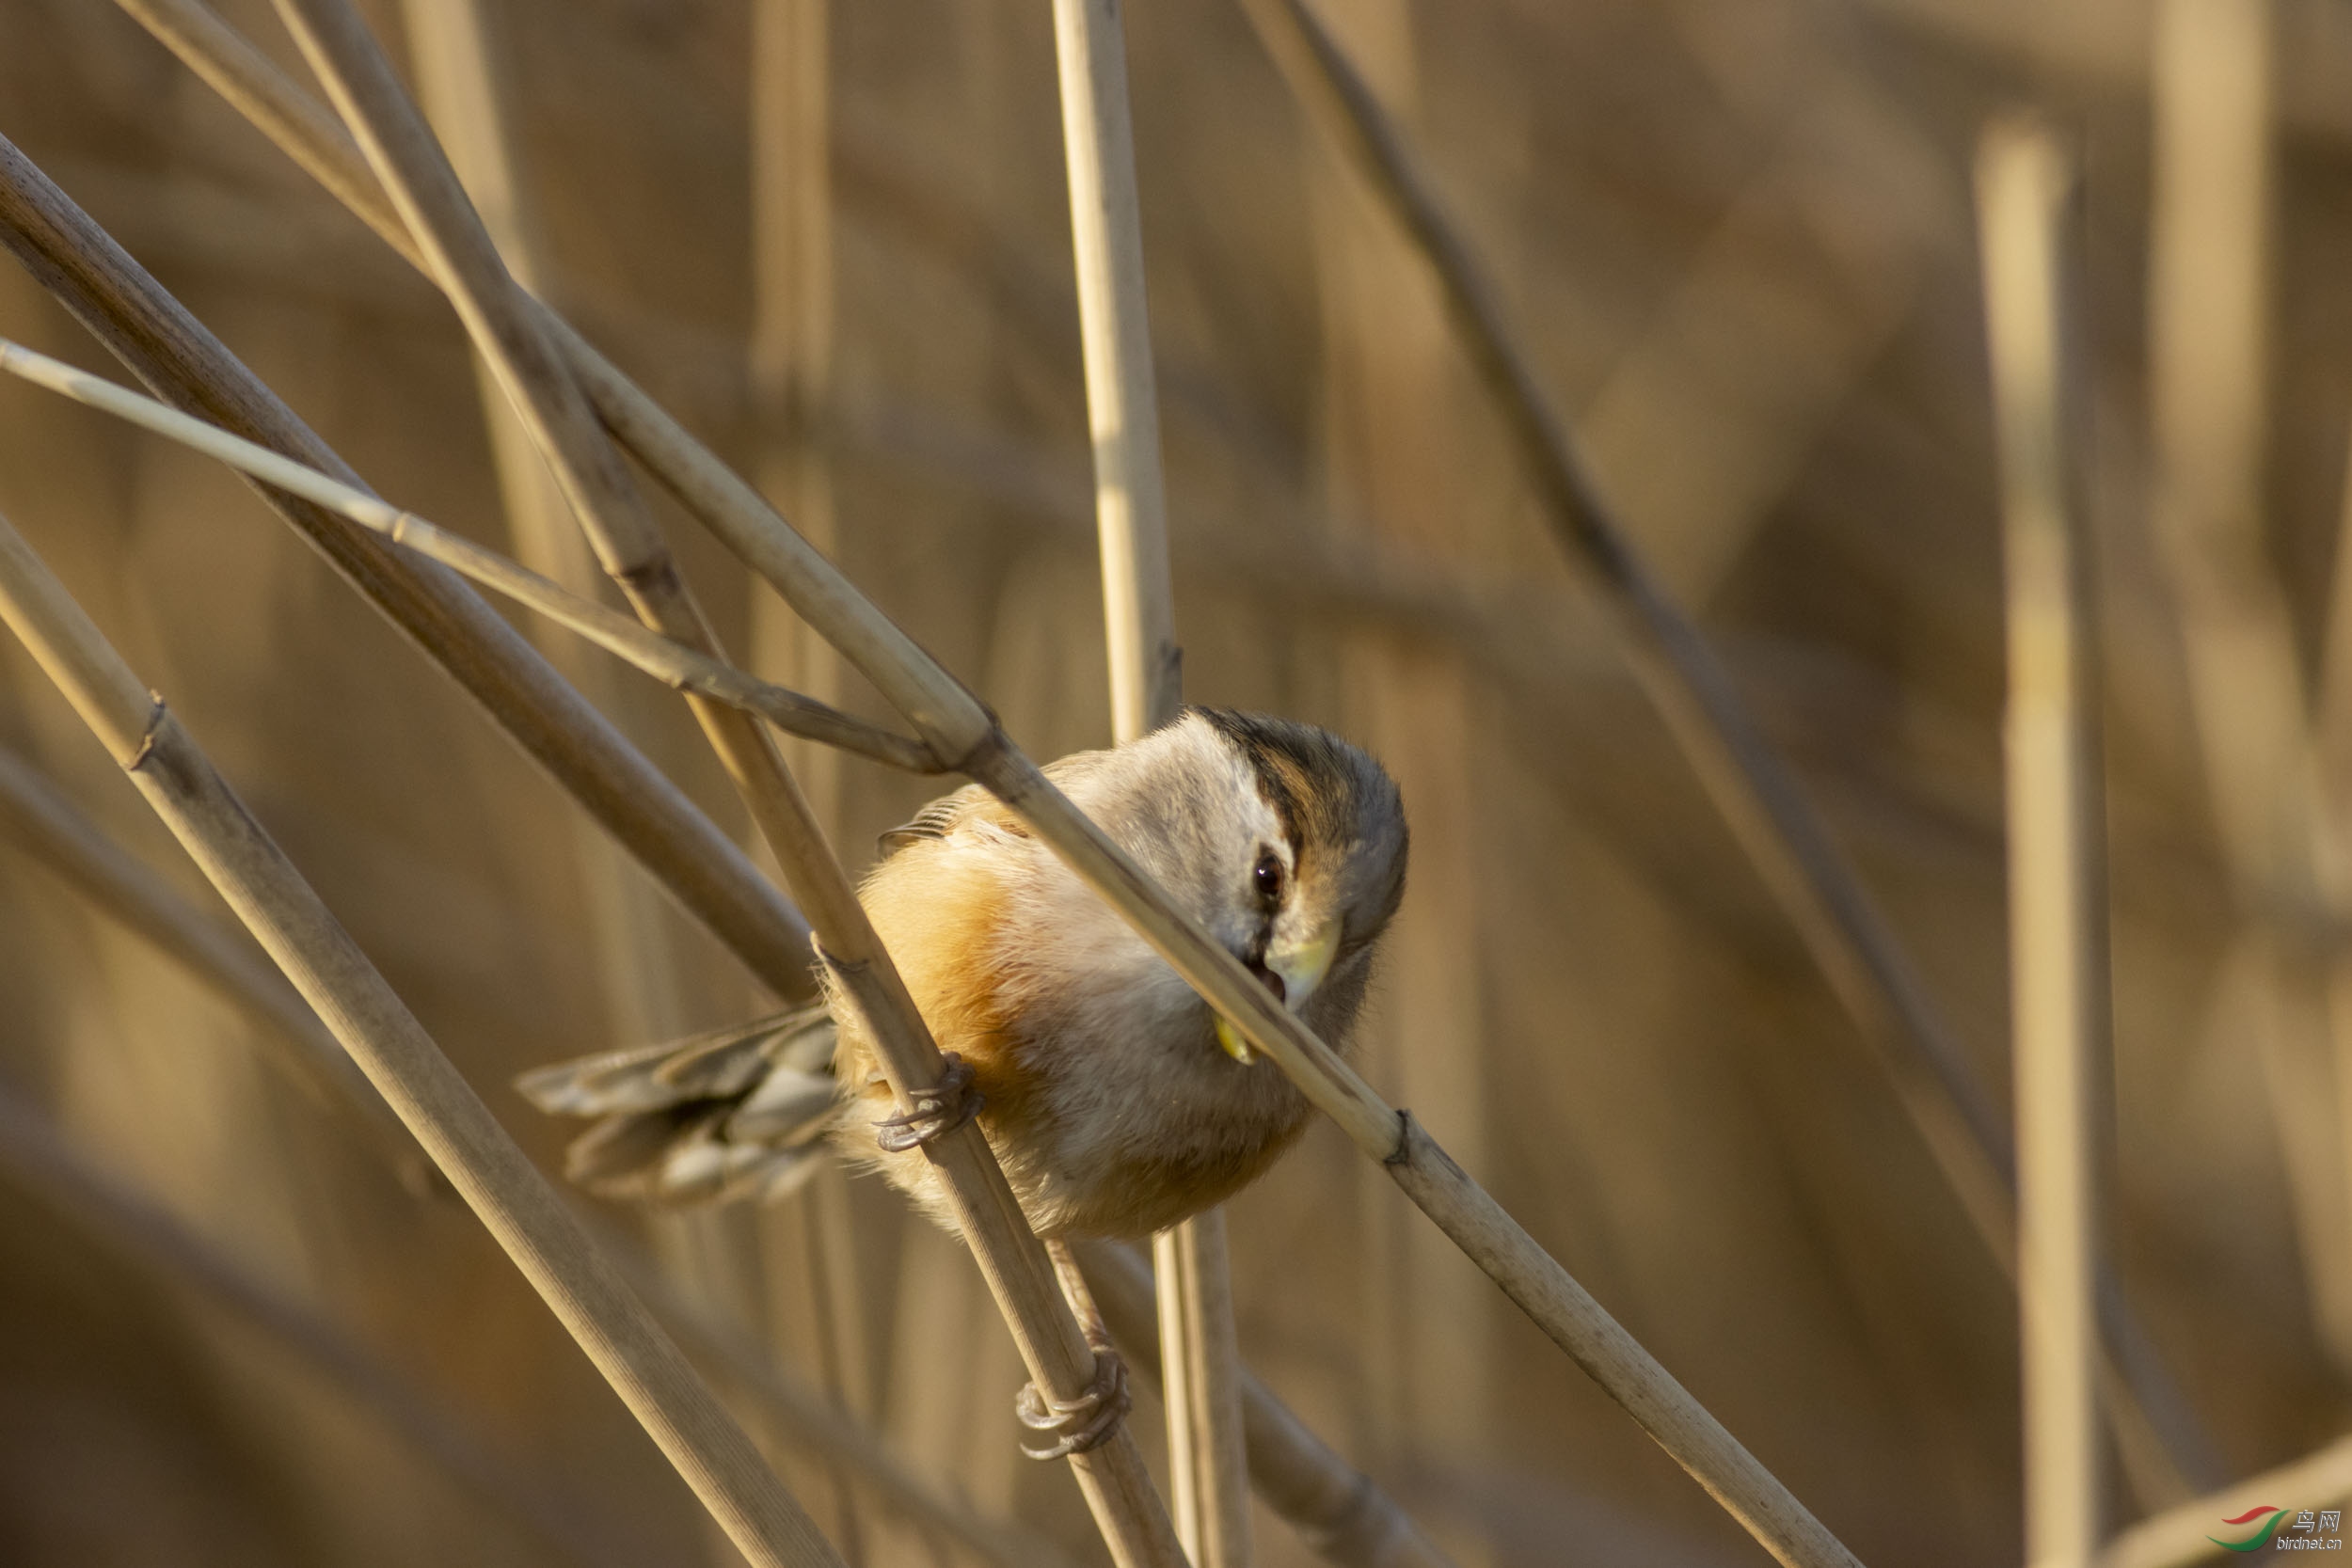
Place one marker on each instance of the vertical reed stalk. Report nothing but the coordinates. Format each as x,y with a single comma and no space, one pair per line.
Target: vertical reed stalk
493,1176
1859,955
1122,407
791,342
2209,248
2028,207
1209,1488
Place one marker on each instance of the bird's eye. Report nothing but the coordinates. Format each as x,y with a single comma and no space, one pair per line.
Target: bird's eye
1268,876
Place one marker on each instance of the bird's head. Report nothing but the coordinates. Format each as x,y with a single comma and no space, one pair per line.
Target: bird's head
1305,857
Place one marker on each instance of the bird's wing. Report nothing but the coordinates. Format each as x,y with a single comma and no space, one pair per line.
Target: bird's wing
936,820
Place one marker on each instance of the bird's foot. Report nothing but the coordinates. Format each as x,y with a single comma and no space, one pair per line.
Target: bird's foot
933,1113
1083,1423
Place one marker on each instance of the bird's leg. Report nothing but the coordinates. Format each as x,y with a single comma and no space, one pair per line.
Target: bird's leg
933,1113
1088,1421
1074,1291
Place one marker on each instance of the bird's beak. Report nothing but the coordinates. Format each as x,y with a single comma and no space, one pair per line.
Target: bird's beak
1302,968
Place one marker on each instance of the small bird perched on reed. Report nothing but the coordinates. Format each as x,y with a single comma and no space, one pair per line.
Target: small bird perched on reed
1117,1101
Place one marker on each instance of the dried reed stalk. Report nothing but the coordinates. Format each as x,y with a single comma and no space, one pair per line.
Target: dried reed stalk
2028,205
187,366
125,1220
1856,950
1340,1512
50,828
1208,1472
789,362
673,664
493,1176
2210,255
961,733
40,820
2182,1534
1115,329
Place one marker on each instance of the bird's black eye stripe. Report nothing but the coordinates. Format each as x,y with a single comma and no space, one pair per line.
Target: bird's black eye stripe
1267,875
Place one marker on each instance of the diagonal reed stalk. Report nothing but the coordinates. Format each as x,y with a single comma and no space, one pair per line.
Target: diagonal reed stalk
481,1161
53,829
511,334
188,367
1858,951
961,731
673,664
37,1156
2029,209
1199,1353
2182,1534
1340,1514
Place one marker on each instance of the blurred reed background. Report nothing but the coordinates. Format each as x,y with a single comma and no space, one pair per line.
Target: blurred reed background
1739,246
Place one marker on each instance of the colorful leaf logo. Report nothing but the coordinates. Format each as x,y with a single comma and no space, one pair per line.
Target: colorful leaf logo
2260,1536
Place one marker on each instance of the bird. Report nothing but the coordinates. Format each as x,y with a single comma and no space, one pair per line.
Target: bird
1117,1101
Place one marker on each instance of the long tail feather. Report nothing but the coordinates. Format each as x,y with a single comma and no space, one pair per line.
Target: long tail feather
734,1113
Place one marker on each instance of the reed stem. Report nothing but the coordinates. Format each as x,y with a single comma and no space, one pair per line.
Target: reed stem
1209,1489
2027,204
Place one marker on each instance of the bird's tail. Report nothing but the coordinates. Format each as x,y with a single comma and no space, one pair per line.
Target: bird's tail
740,1111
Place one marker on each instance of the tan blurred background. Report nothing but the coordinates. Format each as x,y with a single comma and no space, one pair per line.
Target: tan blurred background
1738,240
